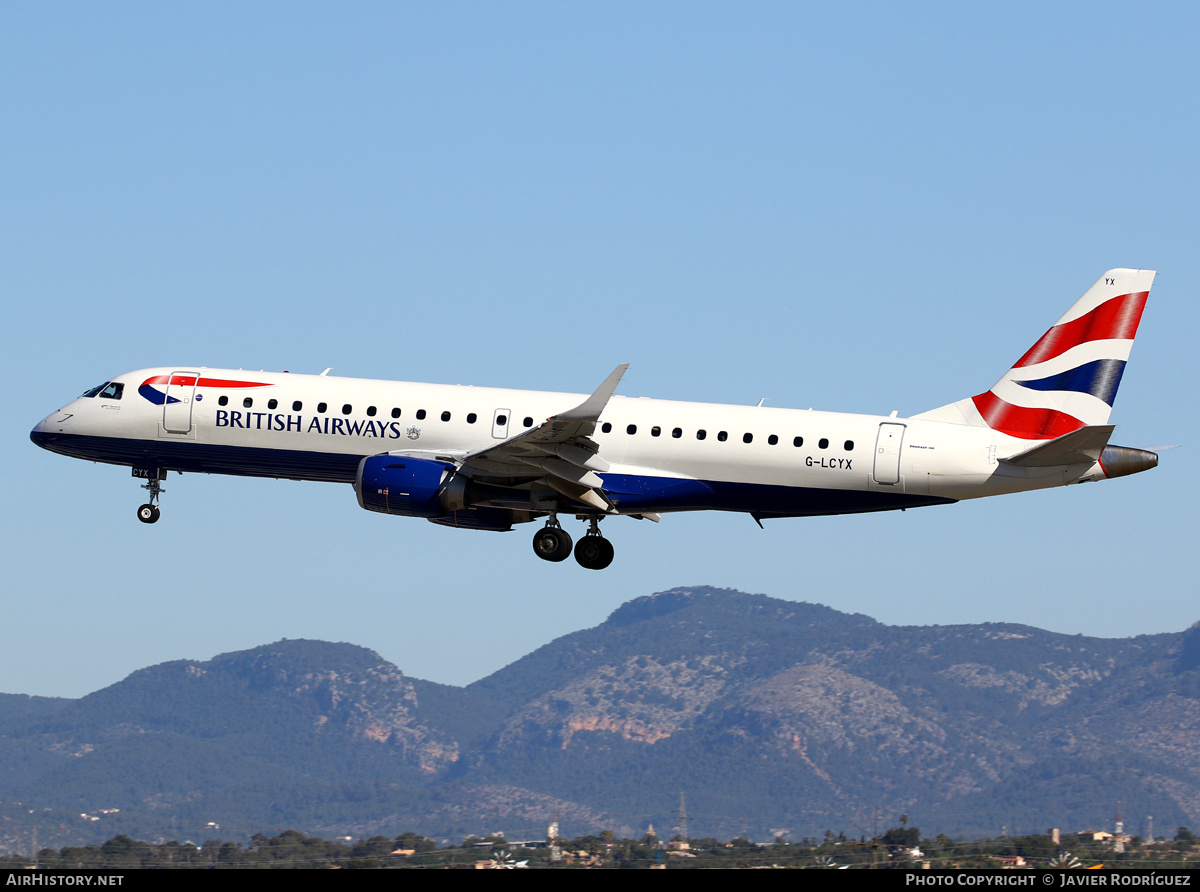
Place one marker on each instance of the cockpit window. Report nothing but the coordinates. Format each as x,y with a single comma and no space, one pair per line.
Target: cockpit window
109,390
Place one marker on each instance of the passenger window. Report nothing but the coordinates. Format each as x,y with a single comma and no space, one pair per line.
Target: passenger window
371,411
797,442
472,418
528,422
656,431
848,445
772,440
747,438
272,404
247,402
222,400
701,434
722,436
395,413
445,416
823,443
421,416
677,433
632,429
346,409
321,407
501,420
296,406
606,428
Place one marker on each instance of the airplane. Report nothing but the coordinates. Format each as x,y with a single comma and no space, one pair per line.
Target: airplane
487,458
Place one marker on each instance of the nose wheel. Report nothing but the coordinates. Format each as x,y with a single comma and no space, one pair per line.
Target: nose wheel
149,512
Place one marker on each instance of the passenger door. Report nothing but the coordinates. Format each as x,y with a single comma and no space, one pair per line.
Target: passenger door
177,410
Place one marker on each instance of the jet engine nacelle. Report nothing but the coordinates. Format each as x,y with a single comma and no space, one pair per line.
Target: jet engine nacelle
414,487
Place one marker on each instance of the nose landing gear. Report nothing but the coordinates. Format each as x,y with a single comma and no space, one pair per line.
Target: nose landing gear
149,512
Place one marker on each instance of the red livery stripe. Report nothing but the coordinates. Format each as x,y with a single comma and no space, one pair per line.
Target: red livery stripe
1019,421
1115,319
187,380
220,382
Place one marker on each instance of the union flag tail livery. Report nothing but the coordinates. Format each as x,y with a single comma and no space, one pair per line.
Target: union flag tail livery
488,458
1069,378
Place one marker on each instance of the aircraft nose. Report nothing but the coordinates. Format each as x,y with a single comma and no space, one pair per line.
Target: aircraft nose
44,431
38,434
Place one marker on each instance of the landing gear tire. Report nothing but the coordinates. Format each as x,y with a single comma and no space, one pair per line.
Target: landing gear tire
148,513
594,552
552,544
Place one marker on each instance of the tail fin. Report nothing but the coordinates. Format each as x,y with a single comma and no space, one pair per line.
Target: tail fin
1069,378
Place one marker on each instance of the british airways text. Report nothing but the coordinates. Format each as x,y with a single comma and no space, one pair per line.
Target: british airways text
270,421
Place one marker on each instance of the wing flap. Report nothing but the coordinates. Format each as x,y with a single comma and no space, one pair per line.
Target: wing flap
588,495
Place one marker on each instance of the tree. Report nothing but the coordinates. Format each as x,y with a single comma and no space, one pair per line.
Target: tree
902,836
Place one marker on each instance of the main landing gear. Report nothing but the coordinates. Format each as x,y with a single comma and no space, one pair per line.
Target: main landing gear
551,543
149,512
593,551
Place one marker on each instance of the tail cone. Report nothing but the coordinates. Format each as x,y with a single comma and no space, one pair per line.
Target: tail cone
1121,461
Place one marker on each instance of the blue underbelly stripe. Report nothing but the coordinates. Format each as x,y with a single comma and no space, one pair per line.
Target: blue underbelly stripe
631,493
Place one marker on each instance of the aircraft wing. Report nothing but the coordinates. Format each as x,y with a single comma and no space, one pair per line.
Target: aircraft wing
559,452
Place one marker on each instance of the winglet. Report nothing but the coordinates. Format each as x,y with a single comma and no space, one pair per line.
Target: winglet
590,409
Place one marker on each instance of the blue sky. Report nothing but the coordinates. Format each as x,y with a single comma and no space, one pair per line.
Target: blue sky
855,207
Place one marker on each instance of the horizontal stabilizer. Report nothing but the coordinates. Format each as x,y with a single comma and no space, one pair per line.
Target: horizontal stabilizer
1079,447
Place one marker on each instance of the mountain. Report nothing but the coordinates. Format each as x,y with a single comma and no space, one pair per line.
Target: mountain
770,715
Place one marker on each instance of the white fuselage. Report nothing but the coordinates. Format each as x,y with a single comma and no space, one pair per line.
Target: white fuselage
765,461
